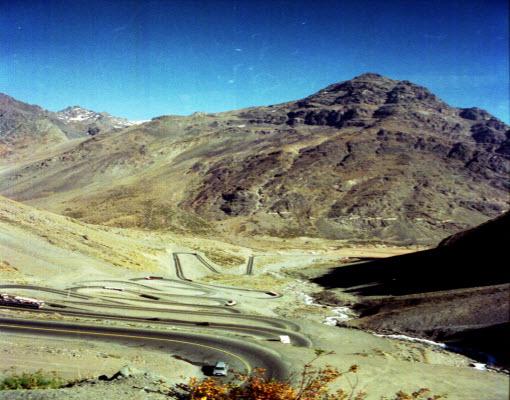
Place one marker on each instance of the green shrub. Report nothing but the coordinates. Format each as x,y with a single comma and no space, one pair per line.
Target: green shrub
31,380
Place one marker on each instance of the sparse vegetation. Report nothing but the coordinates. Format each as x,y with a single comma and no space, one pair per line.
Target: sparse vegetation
31,380
311,384
223,258
76,214
259,282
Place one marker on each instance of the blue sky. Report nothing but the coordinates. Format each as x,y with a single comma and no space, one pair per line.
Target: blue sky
140,59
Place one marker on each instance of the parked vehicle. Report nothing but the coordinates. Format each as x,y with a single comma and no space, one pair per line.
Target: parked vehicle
19,301
150,277
220,369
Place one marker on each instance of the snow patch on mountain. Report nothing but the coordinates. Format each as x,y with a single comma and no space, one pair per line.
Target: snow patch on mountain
77,114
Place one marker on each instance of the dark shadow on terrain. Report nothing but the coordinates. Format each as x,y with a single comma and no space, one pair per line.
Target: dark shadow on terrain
425,271
473,258
196,363
488,345
207,370
473,321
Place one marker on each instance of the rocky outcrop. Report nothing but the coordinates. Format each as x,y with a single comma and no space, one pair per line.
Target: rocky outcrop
366,159
398,165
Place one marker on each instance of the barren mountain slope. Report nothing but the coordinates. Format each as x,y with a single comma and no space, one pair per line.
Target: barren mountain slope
37,246
368,159
28,129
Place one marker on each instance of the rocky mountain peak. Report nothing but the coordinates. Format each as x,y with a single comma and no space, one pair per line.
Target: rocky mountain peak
25,127
367,158
100,121
370,76
77,113
364,89
374,89
362,101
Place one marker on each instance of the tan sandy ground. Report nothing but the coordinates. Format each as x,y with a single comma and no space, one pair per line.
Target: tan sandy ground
386,366
81,359
44,248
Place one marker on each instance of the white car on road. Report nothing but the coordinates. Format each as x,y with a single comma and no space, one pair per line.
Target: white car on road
220,369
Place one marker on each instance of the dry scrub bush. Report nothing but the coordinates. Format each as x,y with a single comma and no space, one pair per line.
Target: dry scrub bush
312,384
31,380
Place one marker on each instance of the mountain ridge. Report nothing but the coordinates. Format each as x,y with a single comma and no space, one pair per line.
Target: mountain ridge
366,159
25,127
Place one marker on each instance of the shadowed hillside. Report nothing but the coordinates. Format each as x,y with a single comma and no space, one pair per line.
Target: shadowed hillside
466,259
457,292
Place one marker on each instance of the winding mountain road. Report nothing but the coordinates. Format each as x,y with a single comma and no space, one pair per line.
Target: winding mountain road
204,349
208,327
